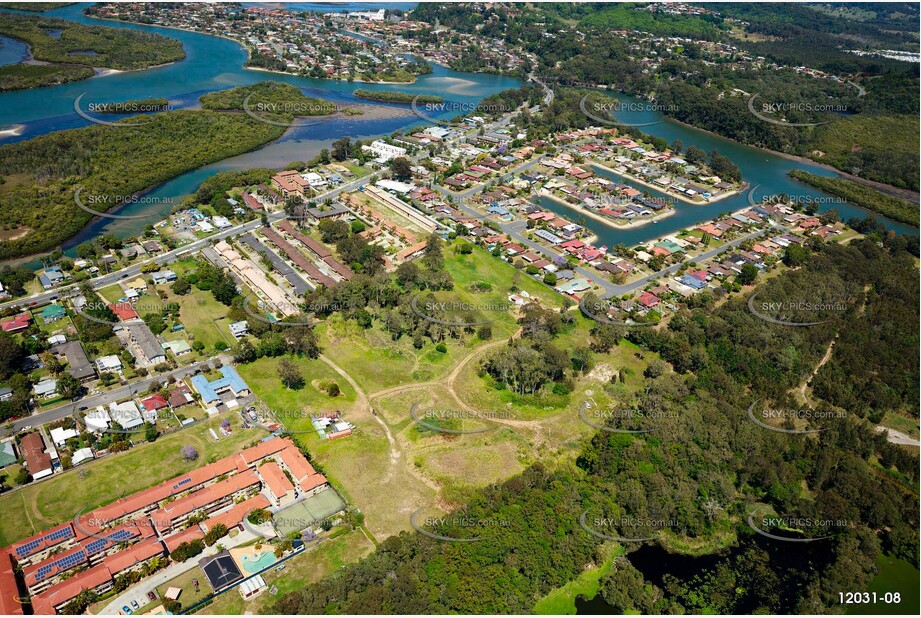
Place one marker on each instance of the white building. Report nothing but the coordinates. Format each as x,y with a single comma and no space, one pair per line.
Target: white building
222,223
109,363
384,151
126,414
98,419
59,435
239,329
81,455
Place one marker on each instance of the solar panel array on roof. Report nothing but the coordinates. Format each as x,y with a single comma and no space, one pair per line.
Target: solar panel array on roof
58,535
184,481
110,539
63,564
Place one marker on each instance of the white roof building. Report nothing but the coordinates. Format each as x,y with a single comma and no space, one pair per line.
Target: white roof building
59,435
384,151
98,419
126,414
395,185
109,363
45,388
81,455
221,223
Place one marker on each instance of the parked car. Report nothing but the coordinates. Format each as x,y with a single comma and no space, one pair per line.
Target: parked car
135,605
126,609
151,595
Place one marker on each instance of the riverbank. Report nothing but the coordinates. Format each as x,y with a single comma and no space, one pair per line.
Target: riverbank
677,196
904,194
633,223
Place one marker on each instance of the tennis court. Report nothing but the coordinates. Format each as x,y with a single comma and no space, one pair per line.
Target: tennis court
308,512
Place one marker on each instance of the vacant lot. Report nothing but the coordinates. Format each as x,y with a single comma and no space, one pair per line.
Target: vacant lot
262,376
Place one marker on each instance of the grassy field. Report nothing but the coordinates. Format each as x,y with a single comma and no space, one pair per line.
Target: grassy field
262,376
50,502
562,601
204,318
305,568
377,362
189,596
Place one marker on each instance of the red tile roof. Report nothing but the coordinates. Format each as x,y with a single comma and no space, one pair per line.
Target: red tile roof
189,534
17,322
32,448
275,478
127,558
62,592
123,311
296,463
235,516
165,516
9,593
154,402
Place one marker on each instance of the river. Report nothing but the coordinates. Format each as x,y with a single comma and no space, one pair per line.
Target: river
214,63
655,563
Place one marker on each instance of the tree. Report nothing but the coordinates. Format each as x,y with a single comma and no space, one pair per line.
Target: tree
604,337
332,230
215,533
244,352
748,274
484,332
342,149
10,355
150,432
189,453
69,387
181,287
795,255
581,358
290,374
51,363
432,256
401,168
655,368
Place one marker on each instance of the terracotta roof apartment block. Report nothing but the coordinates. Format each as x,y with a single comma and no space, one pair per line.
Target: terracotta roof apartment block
296,463
185,536
45,603
234,517
276,480
133,555
166,517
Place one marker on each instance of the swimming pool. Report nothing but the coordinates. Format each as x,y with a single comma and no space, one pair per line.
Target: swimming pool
253,563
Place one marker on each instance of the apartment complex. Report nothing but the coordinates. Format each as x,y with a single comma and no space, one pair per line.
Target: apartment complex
90,551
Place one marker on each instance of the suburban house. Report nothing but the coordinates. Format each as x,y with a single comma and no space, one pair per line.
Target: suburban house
38,460
231,382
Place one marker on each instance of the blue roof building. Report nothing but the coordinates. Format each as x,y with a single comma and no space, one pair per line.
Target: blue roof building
693,282
211,391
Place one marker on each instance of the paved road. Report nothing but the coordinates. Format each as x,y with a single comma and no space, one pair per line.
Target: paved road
897,437
128,390
44,298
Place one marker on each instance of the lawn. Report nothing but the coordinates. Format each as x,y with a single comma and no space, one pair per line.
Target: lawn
189,596
40,505
377,362
204,318
562,601
310,566
262,377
